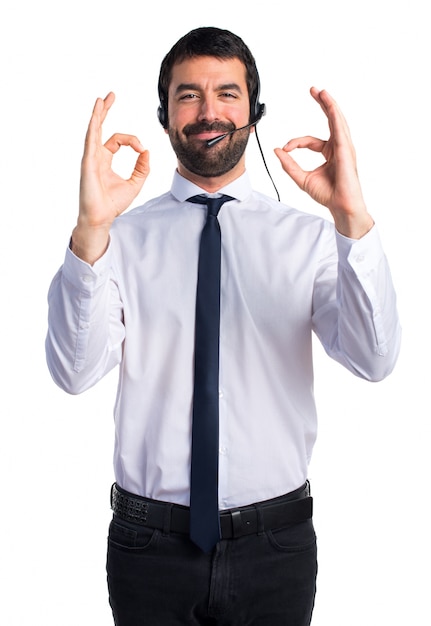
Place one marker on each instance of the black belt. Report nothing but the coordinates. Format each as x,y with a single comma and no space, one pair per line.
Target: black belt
292,508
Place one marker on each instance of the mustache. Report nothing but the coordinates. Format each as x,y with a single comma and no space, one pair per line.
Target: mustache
199,127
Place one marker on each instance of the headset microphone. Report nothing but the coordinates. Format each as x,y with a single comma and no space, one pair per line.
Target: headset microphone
257,111
211,142
261,112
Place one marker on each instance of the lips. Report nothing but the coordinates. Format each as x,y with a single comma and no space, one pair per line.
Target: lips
207,131
205,136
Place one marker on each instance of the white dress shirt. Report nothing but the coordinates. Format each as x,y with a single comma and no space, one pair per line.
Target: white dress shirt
284,274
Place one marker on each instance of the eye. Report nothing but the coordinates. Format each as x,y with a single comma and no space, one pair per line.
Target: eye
189,96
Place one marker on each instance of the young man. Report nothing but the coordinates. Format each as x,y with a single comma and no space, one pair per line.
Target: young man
129,294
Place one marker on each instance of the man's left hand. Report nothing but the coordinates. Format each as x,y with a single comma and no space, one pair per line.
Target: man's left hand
335,183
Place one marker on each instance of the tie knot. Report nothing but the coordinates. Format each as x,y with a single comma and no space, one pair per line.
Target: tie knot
213,204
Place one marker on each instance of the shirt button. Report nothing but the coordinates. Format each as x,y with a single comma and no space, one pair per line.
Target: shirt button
360,258
220,394
87,278
223,450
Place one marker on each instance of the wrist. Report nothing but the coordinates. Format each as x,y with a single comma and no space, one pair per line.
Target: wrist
89,243
352,219
354,226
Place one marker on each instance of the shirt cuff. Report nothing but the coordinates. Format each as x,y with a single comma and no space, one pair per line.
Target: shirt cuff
84,276
361,255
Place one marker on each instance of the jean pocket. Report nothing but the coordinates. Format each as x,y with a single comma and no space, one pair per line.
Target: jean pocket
293,538
123,536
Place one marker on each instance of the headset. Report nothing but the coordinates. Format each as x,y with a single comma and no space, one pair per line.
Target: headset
257,110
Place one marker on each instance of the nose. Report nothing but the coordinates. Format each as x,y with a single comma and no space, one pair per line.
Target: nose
208,110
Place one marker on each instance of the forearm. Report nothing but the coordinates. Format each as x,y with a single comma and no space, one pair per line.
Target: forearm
85,329
369,332
360,328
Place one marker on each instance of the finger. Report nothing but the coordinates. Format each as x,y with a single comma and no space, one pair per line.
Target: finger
141,170
311,143
108,101
324,99
115,142
291,167
101,107
336,120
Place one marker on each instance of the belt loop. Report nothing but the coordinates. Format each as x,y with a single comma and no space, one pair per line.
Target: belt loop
260,521
236,520
167,519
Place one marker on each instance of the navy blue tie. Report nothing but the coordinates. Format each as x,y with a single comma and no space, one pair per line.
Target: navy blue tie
204,512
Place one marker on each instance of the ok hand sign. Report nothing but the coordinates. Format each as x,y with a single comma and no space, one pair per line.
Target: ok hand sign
103,194
335,183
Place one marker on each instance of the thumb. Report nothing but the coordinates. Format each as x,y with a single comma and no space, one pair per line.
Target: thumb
141,169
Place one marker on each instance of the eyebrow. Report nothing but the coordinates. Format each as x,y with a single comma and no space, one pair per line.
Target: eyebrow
195,87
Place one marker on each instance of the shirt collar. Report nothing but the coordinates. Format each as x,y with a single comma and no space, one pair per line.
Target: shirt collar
182,188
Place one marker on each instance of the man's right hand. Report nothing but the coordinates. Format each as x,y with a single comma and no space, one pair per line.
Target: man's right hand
103,194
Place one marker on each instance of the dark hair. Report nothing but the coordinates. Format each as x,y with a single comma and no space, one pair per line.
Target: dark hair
213,42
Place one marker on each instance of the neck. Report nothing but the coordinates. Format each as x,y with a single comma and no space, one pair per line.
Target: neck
212,184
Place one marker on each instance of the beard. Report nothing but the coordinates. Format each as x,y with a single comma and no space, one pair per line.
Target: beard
206,161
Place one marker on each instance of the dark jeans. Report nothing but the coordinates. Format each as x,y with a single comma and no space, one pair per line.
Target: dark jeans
158,579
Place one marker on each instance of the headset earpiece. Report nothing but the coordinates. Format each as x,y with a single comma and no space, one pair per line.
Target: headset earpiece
257,110
260,111
162,112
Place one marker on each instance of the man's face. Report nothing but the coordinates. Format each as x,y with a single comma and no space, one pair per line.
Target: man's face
208,97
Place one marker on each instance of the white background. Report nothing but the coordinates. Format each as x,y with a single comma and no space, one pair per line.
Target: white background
370,471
